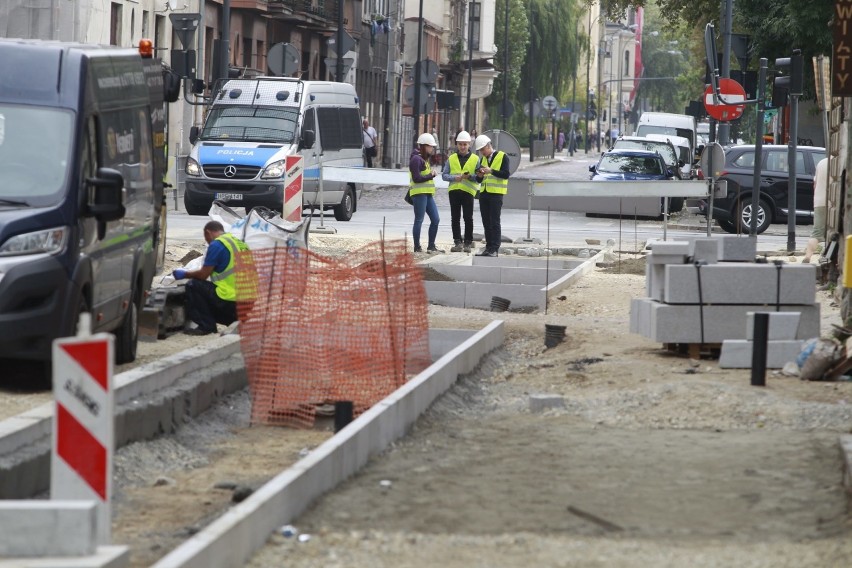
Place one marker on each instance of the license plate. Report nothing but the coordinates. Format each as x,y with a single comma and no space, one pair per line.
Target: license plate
229,196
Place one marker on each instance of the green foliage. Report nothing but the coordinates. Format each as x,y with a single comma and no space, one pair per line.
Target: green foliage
517,45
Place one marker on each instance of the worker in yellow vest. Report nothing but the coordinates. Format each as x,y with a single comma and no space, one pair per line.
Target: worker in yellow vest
460,173
493,176
213,301
422,191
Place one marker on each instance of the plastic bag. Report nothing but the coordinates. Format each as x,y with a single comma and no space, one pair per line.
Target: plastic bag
817,356
262,228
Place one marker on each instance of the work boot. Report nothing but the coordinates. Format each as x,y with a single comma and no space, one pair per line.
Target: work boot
457,247
434,250
417,249
467,247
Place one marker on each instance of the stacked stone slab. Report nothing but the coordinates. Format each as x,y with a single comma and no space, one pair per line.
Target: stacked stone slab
781,346
732,284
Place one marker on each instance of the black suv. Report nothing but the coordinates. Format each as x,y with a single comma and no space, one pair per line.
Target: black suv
733,213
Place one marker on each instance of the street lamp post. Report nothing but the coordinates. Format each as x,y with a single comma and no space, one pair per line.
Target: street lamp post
621,72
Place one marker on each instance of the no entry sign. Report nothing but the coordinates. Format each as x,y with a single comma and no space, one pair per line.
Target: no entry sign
733,93
83,424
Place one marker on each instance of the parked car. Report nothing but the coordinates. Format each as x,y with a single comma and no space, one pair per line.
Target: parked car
663,147
621,164
733,213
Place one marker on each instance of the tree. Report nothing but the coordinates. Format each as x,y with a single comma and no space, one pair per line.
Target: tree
519,38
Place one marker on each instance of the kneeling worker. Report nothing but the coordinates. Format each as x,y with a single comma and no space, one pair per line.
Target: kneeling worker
213,301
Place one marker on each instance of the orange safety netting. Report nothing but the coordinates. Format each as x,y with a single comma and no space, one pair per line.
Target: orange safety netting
323,330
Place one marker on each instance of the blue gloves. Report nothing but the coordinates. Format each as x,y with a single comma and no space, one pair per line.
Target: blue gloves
179,274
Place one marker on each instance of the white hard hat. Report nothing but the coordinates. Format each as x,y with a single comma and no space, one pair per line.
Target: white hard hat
427,139
464,136
481,142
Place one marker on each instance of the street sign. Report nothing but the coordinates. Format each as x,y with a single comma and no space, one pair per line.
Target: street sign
184,25
716,153
536,109
732,92
283,59
429,71
841,85
331,64
549,103
348,43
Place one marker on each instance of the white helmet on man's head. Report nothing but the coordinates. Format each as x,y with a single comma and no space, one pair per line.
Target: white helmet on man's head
463,136
481,142
427,139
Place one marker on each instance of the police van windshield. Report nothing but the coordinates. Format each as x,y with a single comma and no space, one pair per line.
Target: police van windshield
251,124
35,147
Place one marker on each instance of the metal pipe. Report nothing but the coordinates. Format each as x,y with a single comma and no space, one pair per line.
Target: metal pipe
225,42
791,167
469,63
725,127
758,146
417,71
760,338
506,66
588,139
529,67
339,46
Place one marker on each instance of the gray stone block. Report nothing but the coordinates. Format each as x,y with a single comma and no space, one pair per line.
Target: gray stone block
655,258
669,323
737,248
542,402
782,325
47,528
739,283
737,353
669,247
706,249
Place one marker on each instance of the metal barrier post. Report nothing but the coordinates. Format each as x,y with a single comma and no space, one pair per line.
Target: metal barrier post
665,217
529,206
710,206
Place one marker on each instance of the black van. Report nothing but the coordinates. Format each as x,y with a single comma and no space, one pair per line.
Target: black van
82,160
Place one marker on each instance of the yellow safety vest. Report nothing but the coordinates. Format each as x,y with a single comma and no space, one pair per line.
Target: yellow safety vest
226,281
422,187
492,184
469,185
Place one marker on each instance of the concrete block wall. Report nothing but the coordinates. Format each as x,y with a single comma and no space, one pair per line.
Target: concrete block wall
740,283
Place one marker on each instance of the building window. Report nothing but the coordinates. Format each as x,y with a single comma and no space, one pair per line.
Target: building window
475,17
115,23
146,15
375,7
247,45
627,63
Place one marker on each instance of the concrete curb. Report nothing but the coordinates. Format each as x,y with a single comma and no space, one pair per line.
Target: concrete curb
104,557
570,278
846,452
150,400
232,539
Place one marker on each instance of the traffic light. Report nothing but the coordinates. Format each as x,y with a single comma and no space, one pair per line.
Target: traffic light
791,84
591,111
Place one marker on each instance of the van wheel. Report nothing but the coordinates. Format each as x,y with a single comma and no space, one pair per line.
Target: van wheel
343,211
675,205
127,336
192,209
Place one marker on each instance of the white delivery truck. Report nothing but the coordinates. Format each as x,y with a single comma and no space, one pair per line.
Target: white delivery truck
671,124
252,125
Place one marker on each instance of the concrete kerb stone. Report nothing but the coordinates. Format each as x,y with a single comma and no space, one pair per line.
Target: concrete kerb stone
104,557
236,536
846,452
150,400
64,528
575,274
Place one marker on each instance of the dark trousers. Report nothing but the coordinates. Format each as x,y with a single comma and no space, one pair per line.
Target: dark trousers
207,309
490,206
461,206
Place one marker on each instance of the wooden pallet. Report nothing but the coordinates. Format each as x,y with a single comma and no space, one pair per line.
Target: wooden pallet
695,350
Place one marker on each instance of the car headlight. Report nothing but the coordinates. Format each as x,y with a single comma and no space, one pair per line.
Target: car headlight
50,241
274,170
192,168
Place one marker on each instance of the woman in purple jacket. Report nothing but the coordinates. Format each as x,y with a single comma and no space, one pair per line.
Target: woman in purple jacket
422,191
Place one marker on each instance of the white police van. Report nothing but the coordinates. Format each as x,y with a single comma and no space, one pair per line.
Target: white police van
252,125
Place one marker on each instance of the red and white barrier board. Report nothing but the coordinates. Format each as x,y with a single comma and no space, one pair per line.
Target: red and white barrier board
83,425
292,210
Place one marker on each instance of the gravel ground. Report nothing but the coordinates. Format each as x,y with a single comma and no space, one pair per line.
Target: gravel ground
654,460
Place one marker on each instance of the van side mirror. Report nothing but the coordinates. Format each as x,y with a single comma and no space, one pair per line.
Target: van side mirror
193,134
308,139
107,198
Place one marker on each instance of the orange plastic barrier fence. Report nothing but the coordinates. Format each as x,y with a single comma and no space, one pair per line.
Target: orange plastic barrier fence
322,330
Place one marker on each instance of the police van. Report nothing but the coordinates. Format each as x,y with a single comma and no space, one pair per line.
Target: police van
82,159
252,125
